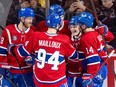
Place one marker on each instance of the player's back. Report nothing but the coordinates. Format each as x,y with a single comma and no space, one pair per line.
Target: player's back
51,51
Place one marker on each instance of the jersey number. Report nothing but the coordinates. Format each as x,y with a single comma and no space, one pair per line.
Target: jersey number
90,50
52,60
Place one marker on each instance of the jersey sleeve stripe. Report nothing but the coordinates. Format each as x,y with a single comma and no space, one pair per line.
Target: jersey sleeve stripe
92,56
22,51
3,51
74,55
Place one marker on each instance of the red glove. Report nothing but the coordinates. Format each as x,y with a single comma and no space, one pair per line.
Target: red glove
102,29
87,80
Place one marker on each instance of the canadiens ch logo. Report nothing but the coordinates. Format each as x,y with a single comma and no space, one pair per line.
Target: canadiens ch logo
14,38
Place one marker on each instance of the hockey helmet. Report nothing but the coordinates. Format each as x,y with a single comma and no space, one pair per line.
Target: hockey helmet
26,12
86,18
53,20
56,9
74,20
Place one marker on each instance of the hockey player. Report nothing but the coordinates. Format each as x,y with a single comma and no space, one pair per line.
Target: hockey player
91,45
17,34
51,49
42,27
75,67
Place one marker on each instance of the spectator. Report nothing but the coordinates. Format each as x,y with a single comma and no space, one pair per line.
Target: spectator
75,8
38,10
16,5
107,15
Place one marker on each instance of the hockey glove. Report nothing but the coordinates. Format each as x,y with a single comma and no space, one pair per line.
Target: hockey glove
11,49
87,80
30,60
4,71
98,79
102,29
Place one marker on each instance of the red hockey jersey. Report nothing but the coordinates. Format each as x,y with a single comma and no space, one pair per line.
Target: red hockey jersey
91,44
75,67
51,51
12,35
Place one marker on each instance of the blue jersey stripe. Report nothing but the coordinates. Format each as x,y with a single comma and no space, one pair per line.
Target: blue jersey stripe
22,51
93,59
81,56
3,51
74,55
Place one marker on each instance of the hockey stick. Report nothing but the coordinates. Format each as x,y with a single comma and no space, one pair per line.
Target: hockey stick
10,81
98,22
9,37
95,12
110,54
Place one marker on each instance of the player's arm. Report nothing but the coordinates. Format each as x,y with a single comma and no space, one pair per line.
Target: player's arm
71,52
91,56
3,45
92,61
22,50
109,37
104,31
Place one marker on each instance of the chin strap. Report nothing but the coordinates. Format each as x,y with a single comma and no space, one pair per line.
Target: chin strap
24,23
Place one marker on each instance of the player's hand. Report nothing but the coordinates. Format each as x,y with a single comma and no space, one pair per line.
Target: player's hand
11,49
99,78
102,29
30,60
80,5
73,7
87,80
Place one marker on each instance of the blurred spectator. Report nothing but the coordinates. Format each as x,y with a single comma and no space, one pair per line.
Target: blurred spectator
107,15
59,2
4,10
75,8
24,4
13,13
42,2
39,11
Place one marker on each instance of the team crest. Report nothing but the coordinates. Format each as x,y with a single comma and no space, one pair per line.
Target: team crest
1,40
14,38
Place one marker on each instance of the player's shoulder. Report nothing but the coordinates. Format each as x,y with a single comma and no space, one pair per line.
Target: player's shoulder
10,27
39,34
64,38
89,36
33,28
41,23
66,22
